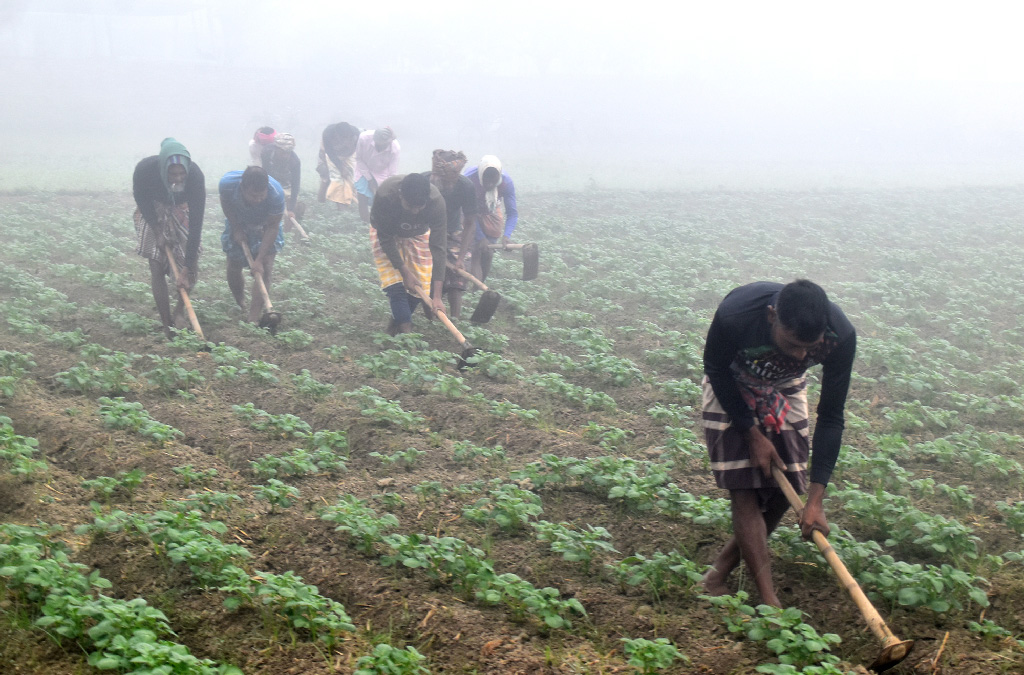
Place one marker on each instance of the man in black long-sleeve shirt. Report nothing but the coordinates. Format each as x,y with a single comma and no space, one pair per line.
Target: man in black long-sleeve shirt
409,236
170,193
763,338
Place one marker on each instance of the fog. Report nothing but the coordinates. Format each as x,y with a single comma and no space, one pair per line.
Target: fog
569,95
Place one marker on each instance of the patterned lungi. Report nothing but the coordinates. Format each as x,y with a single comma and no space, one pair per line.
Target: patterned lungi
172,221
727,446
415,252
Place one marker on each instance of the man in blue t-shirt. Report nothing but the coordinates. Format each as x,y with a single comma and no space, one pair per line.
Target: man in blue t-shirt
253,205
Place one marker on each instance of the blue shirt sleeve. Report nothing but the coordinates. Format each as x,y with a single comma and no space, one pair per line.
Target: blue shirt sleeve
508,195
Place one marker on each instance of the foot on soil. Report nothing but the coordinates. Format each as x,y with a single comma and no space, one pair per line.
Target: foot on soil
714,586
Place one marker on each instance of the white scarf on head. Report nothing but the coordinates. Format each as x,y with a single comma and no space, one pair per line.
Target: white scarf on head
491,196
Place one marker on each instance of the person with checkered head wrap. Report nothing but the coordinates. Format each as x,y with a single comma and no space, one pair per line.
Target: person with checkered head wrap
460,201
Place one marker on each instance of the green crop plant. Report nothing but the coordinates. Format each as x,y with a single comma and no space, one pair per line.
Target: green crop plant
224,354
703,510
390,500
657,574
129,323
285,425
294,339
303,607
672,413
188,475
335,442
1013,515
261,371
110,376
939,589
126,483
684,443
584,397
208,501
187,341
486,339
613,370
549,359
299,462
650,656
554,470
18,451
170,375
508,506
495,367
309,387
989,631
361,523
505,409
685,391
429,489
388,660
468,453
64,600
608,437
575,545
445,560
278,494
15,364
381,410
117,413
403,458
68,339
450,386
783,631
621,478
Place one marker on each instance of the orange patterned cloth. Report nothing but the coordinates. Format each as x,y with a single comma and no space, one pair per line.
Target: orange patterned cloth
415,252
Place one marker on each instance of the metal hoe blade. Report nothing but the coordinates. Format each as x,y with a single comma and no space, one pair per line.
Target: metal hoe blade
486,307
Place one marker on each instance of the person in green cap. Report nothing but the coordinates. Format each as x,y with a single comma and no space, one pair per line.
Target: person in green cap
170,196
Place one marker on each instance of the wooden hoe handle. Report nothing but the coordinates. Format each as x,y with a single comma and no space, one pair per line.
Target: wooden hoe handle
441,315
846,580
184,295
259,279
463,273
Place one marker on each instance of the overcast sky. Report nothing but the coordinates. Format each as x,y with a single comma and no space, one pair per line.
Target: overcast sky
571,93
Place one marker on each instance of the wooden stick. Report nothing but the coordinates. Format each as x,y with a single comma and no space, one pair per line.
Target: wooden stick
938,655
846,580
184,295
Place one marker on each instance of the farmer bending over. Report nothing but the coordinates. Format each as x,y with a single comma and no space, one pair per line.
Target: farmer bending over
284,166
253,205
337,164
497,215
170,193
763,338
460,204
408,234
377,152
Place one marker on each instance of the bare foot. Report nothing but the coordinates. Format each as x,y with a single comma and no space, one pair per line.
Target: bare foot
713,585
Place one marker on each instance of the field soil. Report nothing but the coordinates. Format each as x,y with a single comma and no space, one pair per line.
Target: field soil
641,272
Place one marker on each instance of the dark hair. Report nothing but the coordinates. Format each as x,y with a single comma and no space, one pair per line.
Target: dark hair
415,189
803,307
490,173
254,178
265,130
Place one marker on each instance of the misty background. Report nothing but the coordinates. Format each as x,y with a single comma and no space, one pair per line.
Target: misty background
569,95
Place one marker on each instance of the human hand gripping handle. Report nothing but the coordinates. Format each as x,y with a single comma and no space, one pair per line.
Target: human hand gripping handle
762,452
410,280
